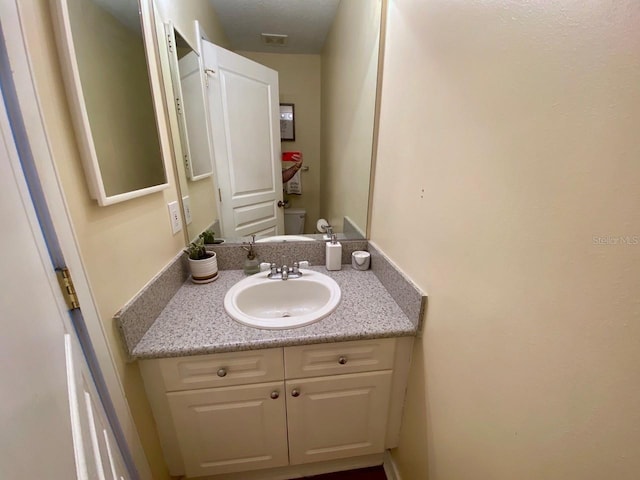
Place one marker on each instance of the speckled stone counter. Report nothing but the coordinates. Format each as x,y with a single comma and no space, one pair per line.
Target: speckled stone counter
195,322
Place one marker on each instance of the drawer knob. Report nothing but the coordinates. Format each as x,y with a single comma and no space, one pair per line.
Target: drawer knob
342,360
222,372
275,394
295,392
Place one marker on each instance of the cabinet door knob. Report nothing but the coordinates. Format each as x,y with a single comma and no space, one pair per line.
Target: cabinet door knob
275,394
295,392
222,372
342,360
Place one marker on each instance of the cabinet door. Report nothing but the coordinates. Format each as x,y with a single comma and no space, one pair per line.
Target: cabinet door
230,429
337,417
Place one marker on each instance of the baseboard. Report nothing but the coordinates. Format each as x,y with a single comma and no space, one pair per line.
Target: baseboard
390,467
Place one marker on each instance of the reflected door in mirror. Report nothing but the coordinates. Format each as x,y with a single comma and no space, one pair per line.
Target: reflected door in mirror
244,108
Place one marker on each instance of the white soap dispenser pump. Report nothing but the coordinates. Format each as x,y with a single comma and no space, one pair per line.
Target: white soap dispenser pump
333,254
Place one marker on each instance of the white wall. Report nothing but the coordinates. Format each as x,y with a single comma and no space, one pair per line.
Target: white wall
508,142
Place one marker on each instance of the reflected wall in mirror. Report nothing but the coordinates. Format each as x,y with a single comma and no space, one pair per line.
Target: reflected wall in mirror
328,68
104,52
188,120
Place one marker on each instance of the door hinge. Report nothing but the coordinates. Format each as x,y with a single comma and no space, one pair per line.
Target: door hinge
170,42
68,290
220,195
178,106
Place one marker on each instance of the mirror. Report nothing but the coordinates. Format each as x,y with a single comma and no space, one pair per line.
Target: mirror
105,58
333,87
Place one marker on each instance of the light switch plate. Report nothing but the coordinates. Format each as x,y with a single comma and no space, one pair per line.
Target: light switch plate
186,207
174,215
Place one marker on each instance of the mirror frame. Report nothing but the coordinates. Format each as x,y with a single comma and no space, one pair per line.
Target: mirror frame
376,112
80,116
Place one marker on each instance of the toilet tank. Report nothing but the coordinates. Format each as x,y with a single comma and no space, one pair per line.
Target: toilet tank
294,221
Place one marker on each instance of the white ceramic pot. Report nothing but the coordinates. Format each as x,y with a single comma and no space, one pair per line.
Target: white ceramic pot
204,270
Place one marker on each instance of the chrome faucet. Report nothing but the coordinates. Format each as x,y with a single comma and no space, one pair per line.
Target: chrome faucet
284,272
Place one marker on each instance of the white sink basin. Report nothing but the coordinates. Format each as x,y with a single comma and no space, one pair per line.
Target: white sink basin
285,238
261,302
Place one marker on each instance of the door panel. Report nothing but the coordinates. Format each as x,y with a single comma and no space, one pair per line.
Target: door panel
246,103
244,110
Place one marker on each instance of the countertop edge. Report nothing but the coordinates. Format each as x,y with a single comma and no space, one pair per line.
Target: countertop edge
243,346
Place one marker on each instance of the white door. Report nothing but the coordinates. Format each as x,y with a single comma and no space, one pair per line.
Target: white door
338,416
53,424
244,111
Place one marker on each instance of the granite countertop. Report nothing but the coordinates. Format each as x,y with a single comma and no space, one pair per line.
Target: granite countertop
195,322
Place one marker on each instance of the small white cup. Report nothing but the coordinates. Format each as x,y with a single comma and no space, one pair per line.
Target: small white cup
360,260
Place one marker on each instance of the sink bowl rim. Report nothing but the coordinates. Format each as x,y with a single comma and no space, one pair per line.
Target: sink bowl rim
232,309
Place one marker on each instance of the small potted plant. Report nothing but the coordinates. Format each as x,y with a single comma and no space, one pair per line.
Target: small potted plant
209,238
203,264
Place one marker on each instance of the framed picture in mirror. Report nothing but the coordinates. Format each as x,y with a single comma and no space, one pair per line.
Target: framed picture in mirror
287,122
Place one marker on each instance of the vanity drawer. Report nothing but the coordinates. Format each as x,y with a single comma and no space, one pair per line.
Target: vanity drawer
222,369
336,358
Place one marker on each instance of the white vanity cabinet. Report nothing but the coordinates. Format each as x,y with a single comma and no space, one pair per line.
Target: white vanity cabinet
337,417
227,429
261,409
338,412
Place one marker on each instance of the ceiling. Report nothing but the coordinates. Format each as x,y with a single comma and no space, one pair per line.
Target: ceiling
306,22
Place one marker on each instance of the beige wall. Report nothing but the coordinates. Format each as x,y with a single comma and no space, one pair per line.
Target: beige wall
202,192
349,76
508,142
299,83
124,245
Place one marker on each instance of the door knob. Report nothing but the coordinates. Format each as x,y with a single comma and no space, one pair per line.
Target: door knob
275,394
295,392
282,204
342,360
222,372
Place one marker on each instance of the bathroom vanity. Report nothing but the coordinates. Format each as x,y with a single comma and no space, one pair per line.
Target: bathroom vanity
232,401
306,404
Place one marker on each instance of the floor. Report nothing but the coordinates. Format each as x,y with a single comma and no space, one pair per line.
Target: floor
372,473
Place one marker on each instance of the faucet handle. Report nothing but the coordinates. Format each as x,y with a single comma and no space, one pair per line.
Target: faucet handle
295,267
303,264
264,266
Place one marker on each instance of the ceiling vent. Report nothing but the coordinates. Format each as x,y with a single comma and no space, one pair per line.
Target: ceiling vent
274,39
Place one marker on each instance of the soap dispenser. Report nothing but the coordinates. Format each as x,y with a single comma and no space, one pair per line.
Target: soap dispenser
251,264
333,251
